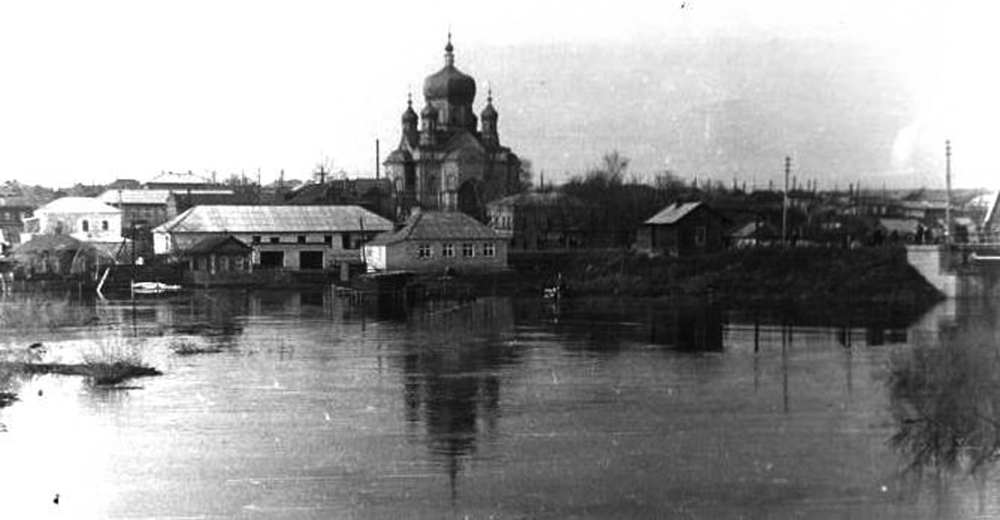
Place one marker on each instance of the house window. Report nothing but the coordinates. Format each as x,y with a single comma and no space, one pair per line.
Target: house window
448,250
275,240
104,225
302,239
85,226
489,250
328,240
256,239
700,235
424,251
468,250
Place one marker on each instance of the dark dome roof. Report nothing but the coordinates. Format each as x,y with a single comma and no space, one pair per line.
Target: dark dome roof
409,116
429,112
489,112
451,84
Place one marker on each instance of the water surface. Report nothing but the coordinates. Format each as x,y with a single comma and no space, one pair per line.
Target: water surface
306,407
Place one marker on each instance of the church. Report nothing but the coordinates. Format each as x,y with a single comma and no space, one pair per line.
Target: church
451,162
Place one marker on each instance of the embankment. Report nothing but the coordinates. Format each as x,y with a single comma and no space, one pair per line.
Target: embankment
874,275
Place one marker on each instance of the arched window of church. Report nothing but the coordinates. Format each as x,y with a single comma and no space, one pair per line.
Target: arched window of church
85,225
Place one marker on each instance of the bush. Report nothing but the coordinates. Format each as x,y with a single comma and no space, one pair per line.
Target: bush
115,362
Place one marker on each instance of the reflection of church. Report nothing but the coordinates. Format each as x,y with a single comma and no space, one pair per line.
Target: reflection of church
451,163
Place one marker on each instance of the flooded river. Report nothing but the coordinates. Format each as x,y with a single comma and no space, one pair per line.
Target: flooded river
298,405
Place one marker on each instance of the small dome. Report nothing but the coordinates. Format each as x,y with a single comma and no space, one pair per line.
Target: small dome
429,112
409,116
489,113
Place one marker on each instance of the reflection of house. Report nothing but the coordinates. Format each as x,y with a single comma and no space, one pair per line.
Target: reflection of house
291,237
83,218
435,241
543,221
683,229
451,163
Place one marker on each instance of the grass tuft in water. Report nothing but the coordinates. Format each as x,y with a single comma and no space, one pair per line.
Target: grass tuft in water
114,362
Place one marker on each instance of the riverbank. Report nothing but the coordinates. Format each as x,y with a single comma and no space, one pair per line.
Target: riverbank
873,275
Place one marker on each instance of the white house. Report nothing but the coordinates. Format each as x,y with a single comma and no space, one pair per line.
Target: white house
435,241
83,218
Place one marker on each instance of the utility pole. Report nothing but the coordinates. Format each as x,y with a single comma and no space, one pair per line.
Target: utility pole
784,204
947,185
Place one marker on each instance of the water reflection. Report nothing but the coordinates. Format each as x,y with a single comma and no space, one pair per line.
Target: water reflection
452,381
945,396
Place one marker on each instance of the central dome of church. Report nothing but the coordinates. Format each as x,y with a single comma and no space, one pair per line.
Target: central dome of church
449,83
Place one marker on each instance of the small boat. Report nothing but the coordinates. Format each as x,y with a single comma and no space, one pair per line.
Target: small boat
154,287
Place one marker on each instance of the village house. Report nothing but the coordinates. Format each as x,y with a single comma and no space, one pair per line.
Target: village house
282,237
438,242
756,233
83,218
544,221
683,229
150,208
217,260
12,224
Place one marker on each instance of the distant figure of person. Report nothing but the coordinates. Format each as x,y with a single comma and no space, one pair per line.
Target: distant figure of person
920,234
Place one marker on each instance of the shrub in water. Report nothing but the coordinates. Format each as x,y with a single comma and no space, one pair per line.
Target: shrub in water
115,361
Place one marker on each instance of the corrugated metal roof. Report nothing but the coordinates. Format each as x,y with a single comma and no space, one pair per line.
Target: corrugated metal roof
672,213
438,225
77,205
149,196
275,219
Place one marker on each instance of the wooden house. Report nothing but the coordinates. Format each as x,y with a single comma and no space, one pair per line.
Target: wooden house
683,229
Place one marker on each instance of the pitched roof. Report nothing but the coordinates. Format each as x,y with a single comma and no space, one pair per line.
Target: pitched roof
178,178
148,196
213,243
274,219
77,205
438,225
673,213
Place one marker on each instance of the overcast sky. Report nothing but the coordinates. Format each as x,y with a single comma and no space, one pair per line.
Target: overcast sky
98,90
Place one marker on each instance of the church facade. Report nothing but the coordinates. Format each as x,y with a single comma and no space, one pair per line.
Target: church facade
447,158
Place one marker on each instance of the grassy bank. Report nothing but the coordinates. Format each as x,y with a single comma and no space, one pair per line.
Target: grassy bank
749,275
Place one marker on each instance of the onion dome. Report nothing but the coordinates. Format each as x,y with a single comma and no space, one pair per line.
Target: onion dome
489,113
449,83
409,116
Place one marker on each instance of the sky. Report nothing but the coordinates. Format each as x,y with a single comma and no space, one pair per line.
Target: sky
99,90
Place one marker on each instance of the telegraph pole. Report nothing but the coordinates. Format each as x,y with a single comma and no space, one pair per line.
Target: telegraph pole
784,204
947,185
